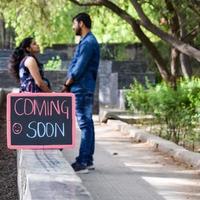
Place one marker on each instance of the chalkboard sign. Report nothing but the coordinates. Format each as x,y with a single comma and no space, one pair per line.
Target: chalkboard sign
40,120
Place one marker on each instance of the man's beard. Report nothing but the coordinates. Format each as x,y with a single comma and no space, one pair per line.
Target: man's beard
78,31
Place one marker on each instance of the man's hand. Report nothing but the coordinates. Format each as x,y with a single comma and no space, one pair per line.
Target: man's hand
65,88
67,85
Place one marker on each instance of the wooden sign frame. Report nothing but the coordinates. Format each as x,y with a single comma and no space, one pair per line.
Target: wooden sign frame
23,107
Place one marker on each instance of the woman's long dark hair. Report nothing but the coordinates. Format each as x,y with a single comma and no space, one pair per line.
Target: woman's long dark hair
17,56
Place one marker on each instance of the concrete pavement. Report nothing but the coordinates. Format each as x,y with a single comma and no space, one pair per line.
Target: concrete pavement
128,170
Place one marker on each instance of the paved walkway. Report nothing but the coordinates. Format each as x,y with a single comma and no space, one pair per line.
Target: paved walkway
126,170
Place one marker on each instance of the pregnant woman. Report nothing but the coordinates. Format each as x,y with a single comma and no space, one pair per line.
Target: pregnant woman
27,70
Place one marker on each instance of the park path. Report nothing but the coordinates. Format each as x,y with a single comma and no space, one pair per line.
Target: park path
133,171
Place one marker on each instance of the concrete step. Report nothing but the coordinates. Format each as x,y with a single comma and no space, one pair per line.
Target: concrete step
46,175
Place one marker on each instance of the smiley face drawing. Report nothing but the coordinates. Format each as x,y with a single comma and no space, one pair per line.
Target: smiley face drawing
17,128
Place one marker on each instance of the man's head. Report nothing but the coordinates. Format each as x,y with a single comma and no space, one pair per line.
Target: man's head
81,23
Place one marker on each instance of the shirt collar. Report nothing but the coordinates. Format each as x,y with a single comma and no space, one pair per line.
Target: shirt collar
82,38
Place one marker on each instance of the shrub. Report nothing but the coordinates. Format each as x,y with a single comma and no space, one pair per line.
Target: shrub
54,63
178,109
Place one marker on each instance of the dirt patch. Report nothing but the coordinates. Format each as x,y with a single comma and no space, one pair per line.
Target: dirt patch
8,163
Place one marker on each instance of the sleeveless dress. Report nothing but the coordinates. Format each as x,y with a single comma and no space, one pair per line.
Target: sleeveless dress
27,83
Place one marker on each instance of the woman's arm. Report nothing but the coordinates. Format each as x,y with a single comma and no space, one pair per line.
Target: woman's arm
32,65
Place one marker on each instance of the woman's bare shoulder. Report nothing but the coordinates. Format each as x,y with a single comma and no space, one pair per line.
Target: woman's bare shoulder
30,61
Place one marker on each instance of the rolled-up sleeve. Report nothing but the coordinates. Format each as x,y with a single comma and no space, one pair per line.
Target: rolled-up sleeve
81,64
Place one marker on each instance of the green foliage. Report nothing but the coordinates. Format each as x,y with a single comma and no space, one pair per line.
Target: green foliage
110,28
137,98
48,21
53,64
179,109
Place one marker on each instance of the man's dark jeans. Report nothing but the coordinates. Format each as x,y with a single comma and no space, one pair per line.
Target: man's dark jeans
84,107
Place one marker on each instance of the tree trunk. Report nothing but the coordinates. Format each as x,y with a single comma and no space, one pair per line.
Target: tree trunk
173,41
7,39
174,62
174,27
6,35
2,33
186,67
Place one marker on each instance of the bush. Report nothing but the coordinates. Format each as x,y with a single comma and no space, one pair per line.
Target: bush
54,63
178,109
137,98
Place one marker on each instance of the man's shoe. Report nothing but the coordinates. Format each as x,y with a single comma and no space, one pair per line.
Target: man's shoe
80,169
90,167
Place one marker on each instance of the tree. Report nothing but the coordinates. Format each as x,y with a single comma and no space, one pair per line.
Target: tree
6,35
48,21
145,22
52,21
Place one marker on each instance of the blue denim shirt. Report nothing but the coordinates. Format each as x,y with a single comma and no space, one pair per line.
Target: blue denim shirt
84,65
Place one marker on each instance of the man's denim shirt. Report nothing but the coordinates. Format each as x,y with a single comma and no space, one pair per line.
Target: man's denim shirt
84,65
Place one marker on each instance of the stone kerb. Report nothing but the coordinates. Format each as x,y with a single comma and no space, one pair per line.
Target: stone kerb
46,175
177,152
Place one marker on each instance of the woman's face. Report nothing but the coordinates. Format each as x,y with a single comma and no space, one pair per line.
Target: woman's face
34,47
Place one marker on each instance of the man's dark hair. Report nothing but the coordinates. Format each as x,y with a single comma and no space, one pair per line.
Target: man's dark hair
85,18
17,56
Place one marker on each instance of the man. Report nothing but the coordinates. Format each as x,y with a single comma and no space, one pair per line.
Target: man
81,81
